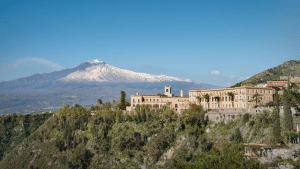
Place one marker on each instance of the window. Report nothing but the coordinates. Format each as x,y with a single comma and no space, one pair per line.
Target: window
157,99
237,105
248,91
133,100
150,100
138,100
252,90
167,90
248,98
264,98
264,91
244,105
133,105
146,100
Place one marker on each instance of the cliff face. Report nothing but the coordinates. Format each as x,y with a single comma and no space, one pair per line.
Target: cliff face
285,69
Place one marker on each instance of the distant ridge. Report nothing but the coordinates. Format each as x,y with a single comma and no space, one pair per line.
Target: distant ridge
285,69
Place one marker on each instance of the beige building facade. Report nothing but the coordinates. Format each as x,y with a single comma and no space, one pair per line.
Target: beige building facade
231,98
178,103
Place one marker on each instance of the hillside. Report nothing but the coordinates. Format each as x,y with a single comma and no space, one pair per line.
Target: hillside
153,138
274,73
16,127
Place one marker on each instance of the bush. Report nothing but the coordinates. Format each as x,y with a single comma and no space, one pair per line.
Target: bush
246,118
80,158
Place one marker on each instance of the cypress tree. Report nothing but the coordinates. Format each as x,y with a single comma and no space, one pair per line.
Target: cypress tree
276,118
288,118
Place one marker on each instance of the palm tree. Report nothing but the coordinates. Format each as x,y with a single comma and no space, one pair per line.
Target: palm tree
256,98
206,96
231,95
218,99
199,99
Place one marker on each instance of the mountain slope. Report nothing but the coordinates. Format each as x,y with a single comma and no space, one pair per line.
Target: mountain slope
285,69
105,73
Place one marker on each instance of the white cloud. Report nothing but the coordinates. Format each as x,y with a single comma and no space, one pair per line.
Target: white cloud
224,75
41,61
231,76
242,78
248,77
215,72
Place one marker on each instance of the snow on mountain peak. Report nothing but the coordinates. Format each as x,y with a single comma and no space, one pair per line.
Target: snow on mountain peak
106,73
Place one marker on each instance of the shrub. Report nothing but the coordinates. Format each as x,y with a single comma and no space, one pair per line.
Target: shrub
246,118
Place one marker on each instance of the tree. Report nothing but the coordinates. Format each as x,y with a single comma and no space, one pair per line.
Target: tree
237,136
114,102
288,118
123,103
256,98
199,98
276,118
80,158
100,101
217,98
206,96
231,95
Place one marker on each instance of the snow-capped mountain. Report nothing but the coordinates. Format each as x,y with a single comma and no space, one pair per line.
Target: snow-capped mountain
83,85
103,72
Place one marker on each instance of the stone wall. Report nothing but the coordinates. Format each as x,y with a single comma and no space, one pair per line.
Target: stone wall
229,115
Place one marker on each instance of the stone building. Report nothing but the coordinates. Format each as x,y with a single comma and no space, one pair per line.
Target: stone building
175,102
277,83
232,98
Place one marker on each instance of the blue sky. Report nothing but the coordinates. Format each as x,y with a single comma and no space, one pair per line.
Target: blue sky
213,42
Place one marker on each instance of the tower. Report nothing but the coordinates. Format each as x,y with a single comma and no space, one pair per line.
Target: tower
168,91
181,93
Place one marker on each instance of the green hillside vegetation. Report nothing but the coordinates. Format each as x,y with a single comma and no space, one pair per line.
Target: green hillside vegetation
151,138
16,127
285,69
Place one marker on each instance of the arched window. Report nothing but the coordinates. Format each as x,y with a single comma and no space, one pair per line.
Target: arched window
167,90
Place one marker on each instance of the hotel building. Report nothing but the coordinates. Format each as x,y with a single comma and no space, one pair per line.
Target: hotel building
175,102
231,98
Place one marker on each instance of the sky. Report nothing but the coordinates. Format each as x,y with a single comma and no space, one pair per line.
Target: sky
216,42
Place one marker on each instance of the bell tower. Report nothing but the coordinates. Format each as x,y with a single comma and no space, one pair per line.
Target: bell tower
168,91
